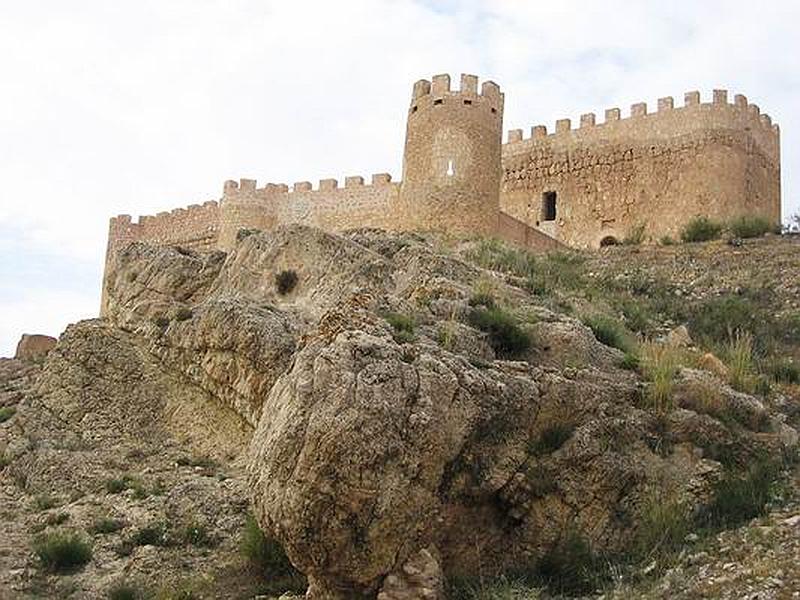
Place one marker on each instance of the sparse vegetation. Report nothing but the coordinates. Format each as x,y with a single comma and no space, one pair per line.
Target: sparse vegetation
196,534
44,501
701,229
784,371
662,527
6,413
184,313
750,226
739,352
267,558
62,551
666,241
660,366
161,321
124,592
505,335
739,498
635,235
570,567
57,519
610,332
106,525
403,326
150,535
286,281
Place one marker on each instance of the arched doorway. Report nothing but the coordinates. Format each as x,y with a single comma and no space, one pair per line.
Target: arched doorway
609,240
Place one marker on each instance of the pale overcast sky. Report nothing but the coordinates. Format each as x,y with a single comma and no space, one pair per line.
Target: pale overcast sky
138,106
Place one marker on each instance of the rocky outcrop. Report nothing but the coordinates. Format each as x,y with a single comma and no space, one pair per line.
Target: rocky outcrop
386,454
32,347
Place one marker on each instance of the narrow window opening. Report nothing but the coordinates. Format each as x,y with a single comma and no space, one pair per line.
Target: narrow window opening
451,170
438,101
413,109
468,102
494,110
549,206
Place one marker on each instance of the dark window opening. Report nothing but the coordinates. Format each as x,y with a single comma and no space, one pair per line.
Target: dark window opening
467,102
439,101
494,110
549,206
413,109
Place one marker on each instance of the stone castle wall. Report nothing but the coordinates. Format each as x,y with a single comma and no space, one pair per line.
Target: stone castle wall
329,207
659,170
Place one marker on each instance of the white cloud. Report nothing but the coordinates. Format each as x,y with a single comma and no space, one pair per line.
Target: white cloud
135,107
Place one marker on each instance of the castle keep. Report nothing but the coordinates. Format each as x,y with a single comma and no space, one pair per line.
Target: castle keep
584,187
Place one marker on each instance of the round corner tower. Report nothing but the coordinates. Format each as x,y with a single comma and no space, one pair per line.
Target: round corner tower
451,161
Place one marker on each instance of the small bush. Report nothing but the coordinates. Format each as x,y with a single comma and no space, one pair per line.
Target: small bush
482,299
123,592
57,518
750,227
6,413
106,525
268,559
183,314
609,332
738,498
662,528
739,351
117,484
161,321
196,534
551,439
505,335
666,241
5,460
62,551
701,229
660,366
570,567
714,319
285,281
44,501
634,236
403,327
630,362
784,371
151,535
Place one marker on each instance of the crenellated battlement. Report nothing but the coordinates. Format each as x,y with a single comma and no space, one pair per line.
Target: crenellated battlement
247,189
667,120
438,93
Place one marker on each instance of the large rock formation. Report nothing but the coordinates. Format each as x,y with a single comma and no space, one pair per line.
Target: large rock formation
33,347
380,460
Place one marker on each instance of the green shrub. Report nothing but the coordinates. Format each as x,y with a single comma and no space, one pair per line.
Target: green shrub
551,438
44,501
6,413
609,332
660,363
505,335
750,226
123,592
62,551
714,319
196,534
630,361
661,529
666,241
738,498
267,558
57,518
5,460
701,229
151,535
570,567
784,371
403,327
161,321
482,299
106,525
499,588
285,281
635,235
183,314
117,484
741,369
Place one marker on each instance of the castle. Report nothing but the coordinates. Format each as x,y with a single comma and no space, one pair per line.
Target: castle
583,187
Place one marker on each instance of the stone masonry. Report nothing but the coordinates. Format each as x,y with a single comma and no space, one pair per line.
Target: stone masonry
581,187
